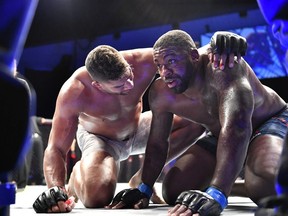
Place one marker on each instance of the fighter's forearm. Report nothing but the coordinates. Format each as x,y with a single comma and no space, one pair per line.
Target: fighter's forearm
153,164
54,168
230,159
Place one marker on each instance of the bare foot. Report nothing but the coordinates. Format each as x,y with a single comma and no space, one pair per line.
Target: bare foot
156,199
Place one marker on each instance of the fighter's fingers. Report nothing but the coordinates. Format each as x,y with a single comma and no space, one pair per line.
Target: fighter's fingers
110,206
216,60
143,203
119,205
174,209
182,211
231,60
223,59
239,57
188,212
70,203
178,210
60,207
210,56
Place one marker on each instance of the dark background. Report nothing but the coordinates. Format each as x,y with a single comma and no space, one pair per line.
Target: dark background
57,21
64,31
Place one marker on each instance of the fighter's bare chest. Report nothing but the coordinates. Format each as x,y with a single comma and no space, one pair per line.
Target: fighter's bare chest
202,108
112,108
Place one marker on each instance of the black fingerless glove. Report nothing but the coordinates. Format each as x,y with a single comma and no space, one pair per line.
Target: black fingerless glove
48,199
209,203
223,42
133,195
129,196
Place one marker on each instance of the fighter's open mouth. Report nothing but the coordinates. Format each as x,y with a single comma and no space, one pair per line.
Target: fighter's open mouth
171,83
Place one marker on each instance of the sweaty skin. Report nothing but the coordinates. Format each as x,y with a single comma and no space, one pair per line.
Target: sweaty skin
111,109
229,103
81,101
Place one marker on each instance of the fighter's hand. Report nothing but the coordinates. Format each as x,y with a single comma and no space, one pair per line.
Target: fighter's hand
54,200
129,198
224,46
195,202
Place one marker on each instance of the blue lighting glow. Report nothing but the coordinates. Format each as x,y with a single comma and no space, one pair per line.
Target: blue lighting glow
265,54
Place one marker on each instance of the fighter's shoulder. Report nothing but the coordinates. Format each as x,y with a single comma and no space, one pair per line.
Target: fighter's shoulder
137,54
159,90
76,83
159,85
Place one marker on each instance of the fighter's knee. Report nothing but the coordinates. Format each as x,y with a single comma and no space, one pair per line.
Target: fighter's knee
170,191
169,197
266,170
95,201
96,198
95,195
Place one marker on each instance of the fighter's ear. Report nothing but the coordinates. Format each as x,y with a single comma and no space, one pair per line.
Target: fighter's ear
194,54
96,84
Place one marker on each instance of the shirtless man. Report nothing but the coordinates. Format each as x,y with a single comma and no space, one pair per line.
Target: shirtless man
101,103
244,123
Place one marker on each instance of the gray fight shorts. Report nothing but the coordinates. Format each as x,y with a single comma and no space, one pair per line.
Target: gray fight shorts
119,150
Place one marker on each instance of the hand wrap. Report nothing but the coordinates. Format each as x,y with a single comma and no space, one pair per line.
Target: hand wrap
201,202
48,199
147,190
129,196
226,43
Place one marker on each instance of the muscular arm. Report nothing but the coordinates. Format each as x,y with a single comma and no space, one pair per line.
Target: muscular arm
140,59
235,112
157,146
62,133
160,138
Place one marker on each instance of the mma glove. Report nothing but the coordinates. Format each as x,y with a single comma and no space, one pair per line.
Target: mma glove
49,198
223,42
209,203
133,195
